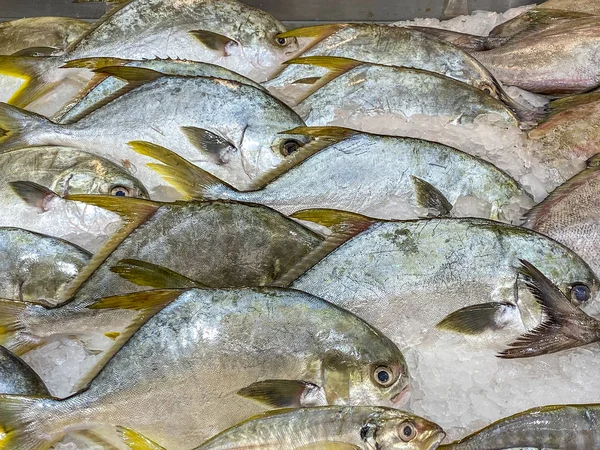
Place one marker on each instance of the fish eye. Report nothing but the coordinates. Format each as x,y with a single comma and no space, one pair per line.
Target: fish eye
384,376
407,431
120,191
282,41
290,146
580,293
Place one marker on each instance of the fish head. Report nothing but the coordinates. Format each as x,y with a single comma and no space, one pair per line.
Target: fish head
395,429
268,52
95,175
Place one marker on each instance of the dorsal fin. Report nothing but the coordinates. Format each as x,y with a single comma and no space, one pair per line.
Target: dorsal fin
343,225
133,212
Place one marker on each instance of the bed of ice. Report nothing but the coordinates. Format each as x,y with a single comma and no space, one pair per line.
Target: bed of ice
461,389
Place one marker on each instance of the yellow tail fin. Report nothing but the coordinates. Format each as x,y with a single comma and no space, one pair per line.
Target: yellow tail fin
34,70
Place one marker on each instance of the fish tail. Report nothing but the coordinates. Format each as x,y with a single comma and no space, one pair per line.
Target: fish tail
528,117
22,422
36,71
19,127
15,330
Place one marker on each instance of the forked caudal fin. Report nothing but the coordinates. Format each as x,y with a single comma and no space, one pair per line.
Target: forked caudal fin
19,127
564,326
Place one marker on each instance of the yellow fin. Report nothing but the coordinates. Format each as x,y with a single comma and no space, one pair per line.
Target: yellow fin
317,31
31,69
326,445
133,75
151,275
133,212
139,301
475,319
94,63
14,333
136,441
112,335
335,66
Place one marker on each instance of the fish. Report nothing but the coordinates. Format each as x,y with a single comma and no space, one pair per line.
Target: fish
105,87
588,6
213,357
331,427
570,214
36,268
573,427
555,62
382,176
17,378
223,244
372,90
230,129
223,32
567,139
37,33
377,44
444,275
56,172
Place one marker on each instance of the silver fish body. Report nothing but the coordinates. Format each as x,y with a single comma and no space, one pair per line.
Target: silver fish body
588,7
561,427
193,357
64,171
36,268
17,378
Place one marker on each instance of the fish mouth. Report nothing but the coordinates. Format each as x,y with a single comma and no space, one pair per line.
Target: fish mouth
435,440
401,397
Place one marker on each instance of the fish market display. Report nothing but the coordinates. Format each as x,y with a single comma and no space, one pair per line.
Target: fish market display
231,129
325,427
51,33
393,177
560,427
35,179
299,351
570,215
219,234
373,90
388,270
17,378
37,268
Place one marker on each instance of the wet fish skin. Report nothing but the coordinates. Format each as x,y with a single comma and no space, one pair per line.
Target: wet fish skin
35,267
100,90
571,215
17,378
560,426
245,123
589,6
396,265
553,62
54,32
292,336
375,90
362,173
64,170
343,426
380,44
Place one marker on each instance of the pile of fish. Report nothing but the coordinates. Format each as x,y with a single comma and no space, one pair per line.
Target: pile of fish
204,204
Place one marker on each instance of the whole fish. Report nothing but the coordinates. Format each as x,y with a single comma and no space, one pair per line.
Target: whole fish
555,62
571,214
385,177
228,128
568,137
370,90
106,87
17,378
58,171
459,274
560,427
223,244
53,33
587,6
330,427
223,32
213,357
377,44
36,268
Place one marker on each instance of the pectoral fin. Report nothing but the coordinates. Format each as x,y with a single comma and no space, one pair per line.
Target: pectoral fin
215,41
564,326
36,51
209,143
151,275
284,393
33,194
428,196
325,445
136,441
477,319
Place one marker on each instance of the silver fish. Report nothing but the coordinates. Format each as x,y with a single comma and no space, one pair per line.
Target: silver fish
382,176
458,274
329,427
17,378
228,128
206,355
58,171
36,268
587,6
